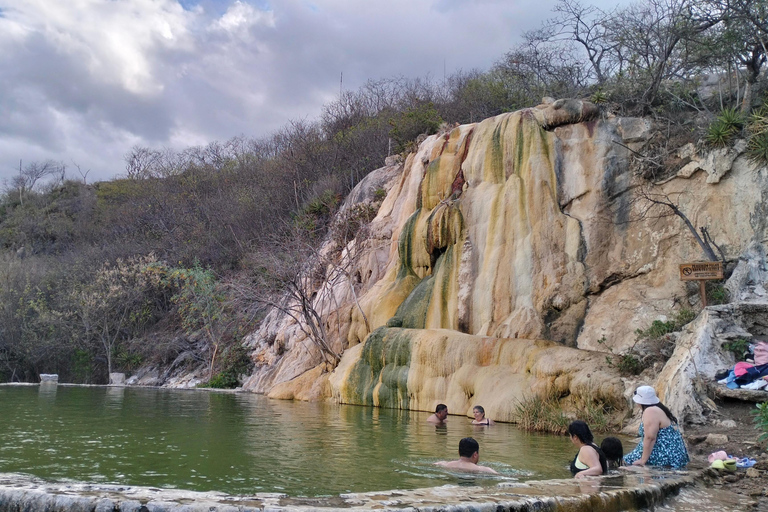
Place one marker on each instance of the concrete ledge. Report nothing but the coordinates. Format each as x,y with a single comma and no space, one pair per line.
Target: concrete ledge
21,493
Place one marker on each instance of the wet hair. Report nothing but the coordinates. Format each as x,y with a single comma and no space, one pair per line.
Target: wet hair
581,430
440,407
663,408
613,450
468,446
479,408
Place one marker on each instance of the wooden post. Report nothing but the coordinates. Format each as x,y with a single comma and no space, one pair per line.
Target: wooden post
701,271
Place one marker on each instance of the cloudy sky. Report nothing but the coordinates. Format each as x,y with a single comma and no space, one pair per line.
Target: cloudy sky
82,81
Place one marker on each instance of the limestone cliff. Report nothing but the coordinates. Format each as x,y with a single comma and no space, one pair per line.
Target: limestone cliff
526,226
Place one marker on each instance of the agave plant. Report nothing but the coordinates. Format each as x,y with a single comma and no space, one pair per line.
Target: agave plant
726,125
757,147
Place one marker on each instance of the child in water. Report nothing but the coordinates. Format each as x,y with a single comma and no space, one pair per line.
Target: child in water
613,450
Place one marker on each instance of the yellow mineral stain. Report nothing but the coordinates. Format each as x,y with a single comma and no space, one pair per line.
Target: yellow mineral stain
524,251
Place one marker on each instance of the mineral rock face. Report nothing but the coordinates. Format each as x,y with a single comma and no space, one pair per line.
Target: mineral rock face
525,226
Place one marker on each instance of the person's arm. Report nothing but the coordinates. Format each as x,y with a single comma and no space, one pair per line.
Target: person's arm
589,457
650,431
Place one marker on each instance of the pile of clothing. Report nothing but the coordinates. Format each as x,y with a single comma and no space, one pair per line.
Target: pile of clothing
750,374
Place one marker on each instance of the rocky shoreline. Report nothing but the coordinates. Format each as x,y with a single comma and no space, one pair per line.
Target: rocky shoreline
616,492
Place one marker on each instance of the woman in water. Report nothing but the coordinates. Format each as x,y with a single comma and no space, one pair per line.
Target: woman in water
590,460
479,413
661,443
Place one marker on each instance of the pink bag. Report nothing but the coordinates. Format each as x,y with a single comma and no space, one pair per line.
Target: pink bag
761,353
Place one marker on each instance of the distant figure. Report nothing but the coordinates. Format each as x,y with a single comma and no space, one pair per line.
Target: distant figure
661,442
441,412
590,461
613,450
469,454
479,413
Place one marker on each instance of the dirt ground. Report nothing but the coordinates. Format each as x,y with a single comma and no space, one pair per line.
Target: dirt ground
733,419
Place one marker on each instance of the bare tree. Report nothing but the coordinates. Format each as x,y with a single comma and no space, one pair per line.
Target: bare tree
647,38
650,202
32,173
83,175
744,36
588,27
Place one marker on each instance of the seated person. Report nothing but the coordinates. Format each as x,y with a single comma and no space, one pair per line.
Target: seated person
613,450
479,413
469,454
441,413
590,461
661,443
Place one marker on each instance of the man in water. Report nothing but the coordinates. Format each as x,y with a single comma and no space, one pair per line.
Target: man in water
469,454
441,412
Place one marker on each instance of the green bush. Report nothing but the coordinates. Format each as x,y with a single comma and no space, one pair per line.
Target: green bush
737,346
761,420
629,364
725,127
658,328
411,123
539,414
757,148
757,143
716,293
234,363
599,97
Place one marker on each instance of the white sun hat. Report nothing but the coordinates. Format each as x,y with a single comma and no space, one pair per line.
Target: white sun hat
645,395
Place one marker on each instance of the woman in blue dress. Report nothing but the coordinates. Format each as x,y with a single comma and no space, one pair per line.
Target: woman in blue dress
661,443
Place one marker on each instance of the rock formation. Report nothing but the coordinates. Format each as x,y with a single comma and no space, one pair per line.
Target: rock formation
492,238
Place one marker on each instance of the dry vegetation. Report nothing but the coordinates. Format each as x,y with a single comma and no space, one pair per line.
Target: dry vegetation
93,275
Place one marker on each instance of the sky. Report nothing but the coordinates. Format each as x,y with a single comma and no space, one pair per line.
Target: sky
83,81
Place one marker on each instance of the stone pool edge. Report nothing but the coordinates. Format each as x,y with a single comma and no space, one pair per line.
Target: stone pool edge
22,493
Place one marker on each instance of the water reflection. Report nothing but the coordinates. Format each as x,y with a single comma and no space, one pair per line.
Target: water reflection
114,396
242,444
47,391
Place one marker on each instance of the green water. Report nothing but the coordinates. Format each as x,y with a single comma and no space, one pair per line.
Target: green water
244,443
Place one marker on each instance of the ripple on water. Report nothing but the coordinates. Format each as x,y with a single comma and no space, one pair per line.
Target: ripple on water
242,443
699,498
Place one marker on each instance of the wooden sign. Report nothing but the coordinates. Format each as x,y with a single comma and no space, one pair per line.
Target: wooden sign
701,270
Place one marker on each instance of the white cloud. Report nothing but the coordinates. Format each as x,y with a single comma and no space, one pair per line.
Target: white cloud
85,80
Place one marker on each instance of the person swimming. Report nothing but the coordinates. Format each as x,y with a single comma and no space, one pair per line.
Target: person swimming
469,454
479,416
590,460
441,413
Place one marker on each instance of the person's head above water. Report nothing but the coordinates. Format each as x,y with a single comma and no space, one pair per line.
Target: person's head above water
581,430
441,411
613,449
468,447
479,409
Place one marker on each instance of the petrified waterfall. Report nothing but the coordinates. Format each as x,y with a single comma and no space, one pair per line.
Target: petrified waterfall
505,261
